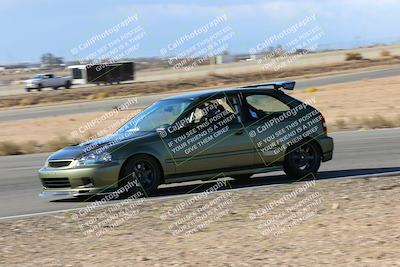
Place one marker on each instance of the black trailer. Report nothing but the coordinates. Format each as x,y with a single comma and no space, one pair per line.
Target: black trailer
106,73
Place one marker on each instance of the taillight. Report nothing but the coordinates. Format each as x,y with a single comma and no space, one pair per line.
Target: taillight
324,127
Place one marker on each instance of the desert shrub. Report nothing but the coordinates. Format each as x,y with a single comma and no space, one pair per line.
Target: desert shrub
9,148
30,147
101,95
377,122
89,135
340,124
385,53
59,143
312,90
27,101
353,56
354,123
397,121
212,74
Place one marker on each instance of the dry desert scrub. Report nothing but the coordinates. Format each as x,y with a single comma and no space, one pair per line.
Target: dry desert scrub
32,146
59,143
385,53
373,110
185,84
9,148
366,123
353,56
100,95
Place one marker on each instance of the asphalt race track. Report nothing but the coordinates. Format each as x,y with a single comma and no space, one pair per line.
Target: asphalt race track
14,114
356,153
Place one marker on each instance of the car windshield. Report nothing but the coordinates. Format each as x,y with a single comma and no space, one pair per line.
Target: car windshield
37,76
161,114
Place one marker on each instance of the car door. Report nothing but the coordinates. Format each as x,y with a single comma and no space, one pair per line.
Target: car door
46,82
215,138
269,124
51,80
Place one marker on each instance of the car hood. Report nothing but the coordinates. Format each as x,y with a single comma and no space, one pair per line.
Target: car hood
97,145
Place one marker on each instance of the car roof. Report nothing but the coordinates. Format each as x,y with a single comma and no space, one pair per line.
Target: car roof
207,93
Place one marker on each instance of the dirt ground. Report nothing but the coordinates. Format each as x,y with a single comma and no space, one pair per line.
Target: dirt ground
334,222
345,106
357,100
210,80
47,129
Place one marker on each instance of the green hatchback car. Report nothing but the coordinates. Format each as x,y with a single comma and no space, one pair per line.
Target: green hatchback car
232,132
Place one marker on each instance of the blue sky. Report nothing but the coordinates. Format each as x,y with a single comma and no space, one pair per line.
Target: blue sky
33,27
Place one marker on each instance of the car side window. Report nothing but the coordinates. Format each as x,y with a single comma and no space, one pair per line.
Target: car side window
217,109
261,105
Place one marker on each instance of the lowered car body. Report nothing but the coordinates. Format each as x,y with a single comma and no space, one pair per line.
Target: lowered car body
198,135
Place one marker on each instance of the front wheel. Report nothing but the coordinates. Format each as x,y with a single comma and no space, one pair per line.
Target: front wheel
302,159
142,170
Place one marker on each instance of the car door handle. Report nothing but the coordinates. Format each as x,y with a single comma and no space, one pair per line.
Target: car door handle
240,132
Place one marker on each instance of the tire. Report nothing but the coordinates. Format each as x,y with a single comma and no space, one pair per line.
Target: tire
144,169
55,88
67,85
39,88
28,89
302,159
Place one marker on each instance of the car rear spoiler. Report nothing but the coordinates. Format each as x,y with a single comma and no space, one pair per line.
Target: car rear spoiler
287,85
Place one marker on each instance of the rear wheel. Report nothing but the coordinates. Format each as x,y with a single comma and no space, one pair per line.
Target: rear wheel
143,170
302,159
39,88
67,85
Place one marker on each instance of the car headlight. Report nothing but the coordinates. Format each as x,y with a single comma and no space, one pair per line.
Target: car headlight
46,164
92,159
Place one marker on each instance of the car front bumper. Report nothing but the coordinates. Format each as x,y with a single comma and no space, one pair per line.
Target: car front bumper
31,86
98,179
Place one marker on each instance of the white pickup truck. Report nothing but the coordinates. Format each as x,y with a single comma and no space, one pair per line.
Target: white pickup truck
40,81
